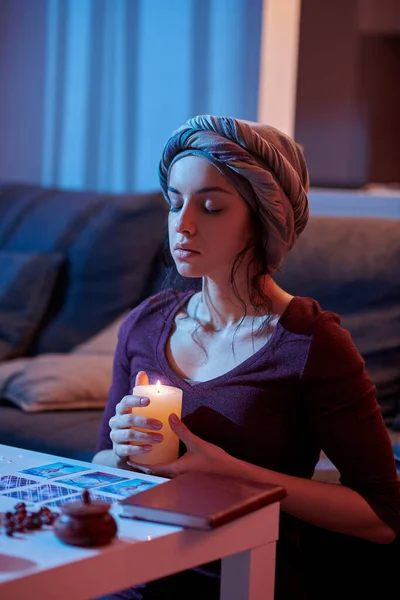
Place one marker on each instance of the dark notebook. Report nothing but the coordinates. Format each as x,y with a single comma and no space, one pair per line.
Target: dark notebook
199,500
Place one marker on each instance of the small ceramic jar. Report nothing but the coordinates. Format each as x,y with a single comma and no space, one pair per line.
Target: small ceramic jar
85,523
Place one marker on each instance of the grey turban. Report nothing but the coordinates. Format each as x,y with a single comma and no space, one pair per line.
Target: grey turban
266,166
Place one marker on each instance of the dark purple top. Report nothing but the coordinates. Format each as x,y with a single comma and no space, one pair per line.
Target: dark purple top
305,390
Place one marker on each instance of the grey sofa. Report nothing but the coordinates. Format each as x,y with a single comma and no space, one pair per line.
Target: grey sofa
102,254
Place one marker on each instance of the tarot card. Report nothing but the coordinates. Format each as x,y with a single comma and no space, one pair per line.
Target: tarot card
88,480
126,488
103,497
54,470
63,500
41,492
66,499
9,482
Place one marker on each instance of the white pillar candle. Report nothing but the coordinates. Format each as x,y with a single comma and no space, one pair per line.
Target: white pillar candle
164,400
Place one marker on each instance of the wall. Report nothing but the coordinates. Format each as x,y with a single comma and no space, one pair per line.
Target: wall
22,79
348,91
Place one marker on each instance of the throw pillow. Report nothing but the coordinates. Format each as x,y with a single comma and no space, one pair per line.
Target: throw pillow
57,382
26,285
80,379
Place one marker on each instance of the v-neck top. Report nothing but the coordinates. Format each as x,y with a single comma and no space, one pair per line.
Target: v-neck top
209,383
304,391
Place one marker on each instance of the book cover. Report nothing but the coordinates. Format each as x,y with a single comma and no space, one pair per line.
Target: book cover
199,500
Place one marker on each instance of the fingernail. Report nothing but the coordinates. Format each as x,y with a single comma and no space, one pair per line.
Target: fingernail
144,401
173,418
146,470
138,467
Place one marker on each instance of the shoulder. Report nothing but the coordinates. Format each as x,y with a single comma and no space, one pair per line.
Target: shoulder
304,316
331,347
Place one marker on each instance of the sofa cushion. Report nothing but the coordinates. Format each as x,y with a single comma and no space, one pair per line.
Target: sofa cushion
351,266
56,381
80,379
109,240
26,286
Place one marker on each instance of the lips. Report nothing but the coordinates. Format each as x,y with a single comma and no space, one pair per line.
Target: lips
185,248
183,252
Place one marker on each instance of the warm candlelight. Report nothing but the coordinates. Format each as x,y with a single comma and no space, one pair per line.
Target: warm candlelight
164,400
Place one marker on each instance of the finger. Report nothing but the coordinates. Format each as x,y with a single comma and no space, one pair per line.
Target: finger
126,450
127,420
144,422
142,378
131,462
123,436
190,440
129,402
168,470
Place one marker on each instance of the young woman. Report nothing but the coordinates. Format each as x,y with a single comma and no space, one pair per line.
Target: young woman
269,379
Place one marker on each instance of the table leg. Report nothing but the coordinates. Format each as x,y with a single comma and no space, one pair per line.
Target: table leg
249,575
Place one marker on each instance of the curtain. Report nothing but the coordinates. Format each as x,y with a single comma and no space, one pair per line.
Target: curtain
115,78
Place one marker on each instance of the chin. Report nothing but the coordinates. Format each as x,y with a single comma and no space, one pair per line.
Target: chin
186,270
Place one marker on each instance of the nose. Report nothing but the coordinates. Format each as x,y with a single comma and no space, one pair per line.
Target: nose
185,221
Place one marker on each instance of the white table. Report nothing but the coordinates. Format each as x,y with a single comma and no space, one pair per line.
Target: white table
39,565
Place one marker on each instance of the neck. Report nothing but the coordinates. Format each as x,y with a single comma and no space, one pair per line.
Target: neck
221,308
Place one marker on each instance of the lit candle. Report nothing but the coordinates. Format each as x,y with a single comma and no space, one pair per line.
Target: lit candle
164,400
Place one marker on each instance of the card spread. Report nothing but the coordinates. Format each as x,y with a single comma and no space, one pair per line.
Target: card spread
65,479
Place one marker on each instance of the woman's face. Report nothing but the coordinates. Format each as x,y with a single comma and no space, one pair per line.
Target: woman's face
209,222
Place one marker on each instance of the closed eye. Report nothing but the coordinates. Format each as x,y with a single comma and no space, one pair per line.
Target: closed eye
208,211
209,206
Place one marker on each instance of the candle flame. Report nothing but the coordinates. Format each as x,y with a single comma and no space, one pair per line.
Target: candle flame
158,387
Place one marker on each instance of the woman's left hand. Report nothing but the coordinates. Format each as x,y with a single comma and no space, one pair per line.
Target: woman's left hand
200,455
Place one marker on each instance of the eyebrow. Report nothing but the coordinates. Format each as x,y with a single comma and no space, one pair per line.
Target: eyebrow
204,190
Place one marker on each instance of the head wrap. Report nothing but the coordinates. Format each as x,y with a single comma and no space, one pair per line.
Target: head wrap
266,167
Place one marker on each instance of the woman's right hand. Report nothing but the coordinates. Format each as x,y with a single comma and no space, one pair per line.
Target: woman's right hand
127,441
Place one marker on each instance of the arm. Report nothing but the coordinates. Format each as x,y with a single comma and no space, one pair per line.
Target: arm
345,419
331,506
334,507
